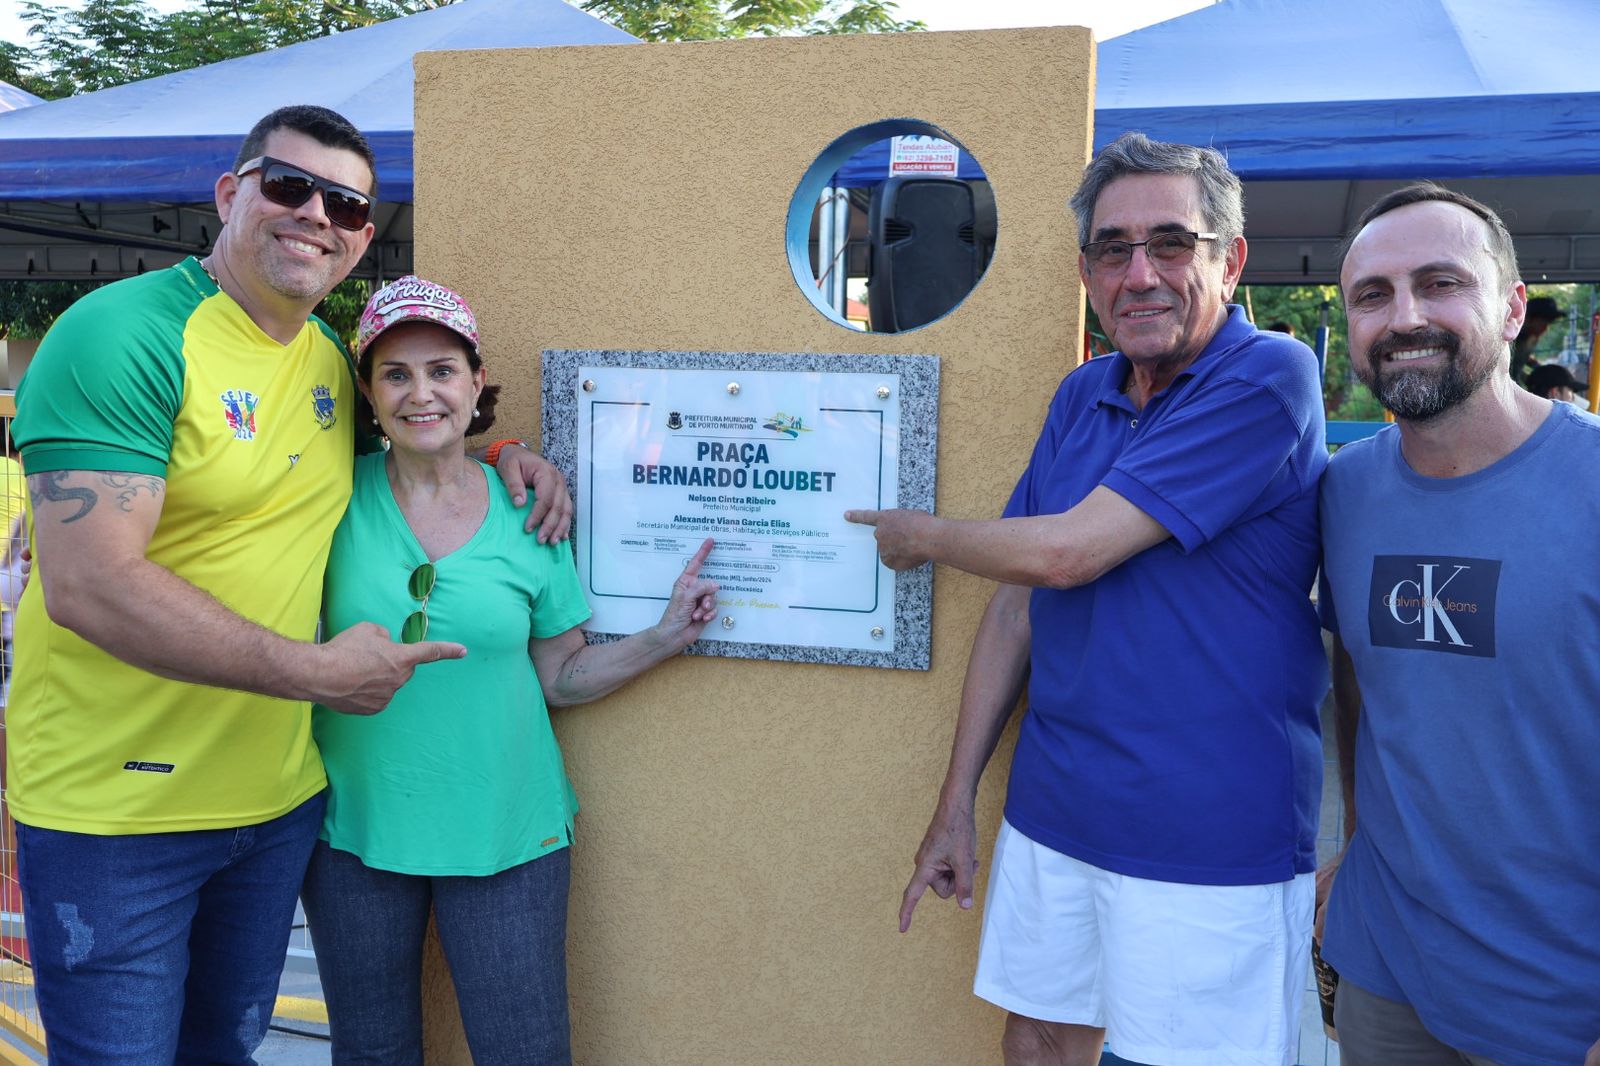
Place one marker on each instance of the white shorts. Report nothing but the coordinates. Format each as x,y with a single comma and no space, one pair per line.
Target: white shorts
1182,975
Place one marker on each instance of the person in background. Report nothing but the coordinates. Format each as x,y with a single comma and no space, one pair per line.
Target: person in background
1555,382
455,799
1543,312
1465,673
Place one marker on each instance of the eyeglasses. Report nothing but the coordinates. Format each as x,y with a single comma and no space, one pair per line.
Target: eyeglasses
288,185
415,627
1163,248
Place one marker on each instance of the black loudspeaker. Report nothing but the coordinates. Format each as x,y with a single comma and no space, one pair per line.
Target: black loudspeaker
930,243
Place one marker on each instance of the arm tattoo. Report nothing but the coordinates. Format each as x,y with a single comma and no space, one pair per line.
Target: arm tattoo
129,486
48,487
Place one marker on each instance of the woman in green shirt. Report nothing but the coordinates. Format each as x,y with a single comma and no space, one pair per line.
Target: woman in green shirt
454,799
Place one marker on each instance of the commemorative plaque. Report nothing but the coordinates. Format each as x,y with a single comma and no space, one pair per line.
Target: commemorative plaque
763,454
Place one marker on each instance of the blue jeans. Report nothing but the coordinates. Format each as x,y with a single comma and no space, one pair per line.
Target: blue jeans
504,936
161,948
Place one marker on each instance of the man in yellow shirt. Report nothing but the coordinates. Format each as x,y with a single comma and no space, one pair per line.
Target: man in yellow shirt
189,437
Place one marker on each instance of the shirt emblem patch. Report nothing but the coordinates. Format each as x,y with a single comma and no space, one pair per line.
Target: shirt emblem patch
1434,603
322,406
239,408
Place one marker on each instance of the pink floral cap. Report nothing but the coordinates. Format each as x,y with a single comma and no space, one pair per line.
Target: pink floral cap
412,299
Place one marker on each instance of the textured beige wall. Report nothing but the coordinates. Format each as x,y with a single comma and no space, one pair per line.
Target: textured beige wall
748,826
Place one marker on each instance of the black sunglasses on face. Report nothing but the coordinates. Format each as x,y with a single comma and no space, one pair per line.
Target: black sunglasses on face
288,185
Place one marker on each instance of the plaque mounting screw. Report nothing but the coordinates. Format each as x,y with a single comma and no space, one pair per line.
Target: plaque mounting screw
883,392
877,631
727,621
588,384
733,388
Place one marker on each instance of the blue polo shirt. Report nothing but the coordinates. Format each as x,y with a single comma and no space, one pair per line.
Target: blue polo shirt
1172,729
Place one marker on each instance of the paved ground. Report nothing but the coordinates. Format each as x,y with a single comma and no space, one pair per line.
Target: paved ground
291,1049
299,1036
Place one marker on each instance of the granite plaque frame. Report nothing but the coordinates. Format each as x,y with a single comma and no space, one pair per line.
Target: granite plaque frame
664,448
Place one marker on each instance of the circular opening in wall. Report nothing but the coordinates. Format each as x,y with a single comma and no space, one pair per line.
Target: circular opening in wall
891,227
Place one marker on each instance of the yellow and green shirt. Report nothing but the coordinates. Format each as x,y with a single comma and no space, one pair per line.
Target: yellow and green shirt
165,375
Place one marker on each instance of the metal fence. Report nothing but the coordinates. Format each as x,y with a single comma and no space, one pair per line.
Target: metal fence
21,1035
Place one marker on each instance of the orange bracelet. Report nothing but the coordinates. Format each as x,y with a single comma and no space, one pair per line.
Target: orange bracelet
491,454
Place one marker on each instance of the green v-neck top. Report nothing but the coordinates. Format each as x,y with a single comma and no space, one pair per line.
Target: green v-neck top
461,773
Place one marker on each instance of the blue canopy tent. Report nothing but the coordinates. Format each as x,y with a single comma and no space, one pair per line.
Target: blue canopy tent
1323,107
1320,106
1366,88
12,98
115,181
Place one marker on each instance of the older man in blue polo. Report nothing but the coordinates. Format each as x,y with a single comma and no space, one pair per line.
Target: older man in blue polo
1152,880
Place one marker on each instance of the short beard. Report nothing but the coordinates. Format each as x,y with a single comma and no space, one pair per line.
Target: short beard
1420,395
297,287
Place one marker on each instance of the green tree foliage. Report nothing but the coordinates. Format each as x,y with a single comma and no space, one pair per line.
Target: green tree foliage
110,42
16,67
28,307
341,308
1301,306
1345,397
704,20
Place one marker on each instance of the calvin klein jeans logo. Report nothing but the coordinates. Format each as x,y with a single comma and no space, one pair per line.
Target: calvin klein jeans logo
1425,603
1433,603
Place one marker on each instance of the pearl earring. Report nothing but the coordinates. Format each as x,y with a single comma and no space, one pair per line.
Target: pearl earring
474,412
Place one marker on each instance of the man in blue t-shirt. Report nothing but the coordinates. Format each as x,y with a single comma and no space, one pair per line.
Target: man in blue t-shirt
1151,885
1459,580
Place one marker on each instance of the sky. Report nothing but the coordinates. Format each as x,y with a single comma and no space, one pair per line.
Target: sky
1106,19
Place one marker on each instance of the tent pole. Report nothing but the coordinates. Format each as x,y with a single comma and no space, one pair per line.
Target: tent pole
1321,344
825,244
841,241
